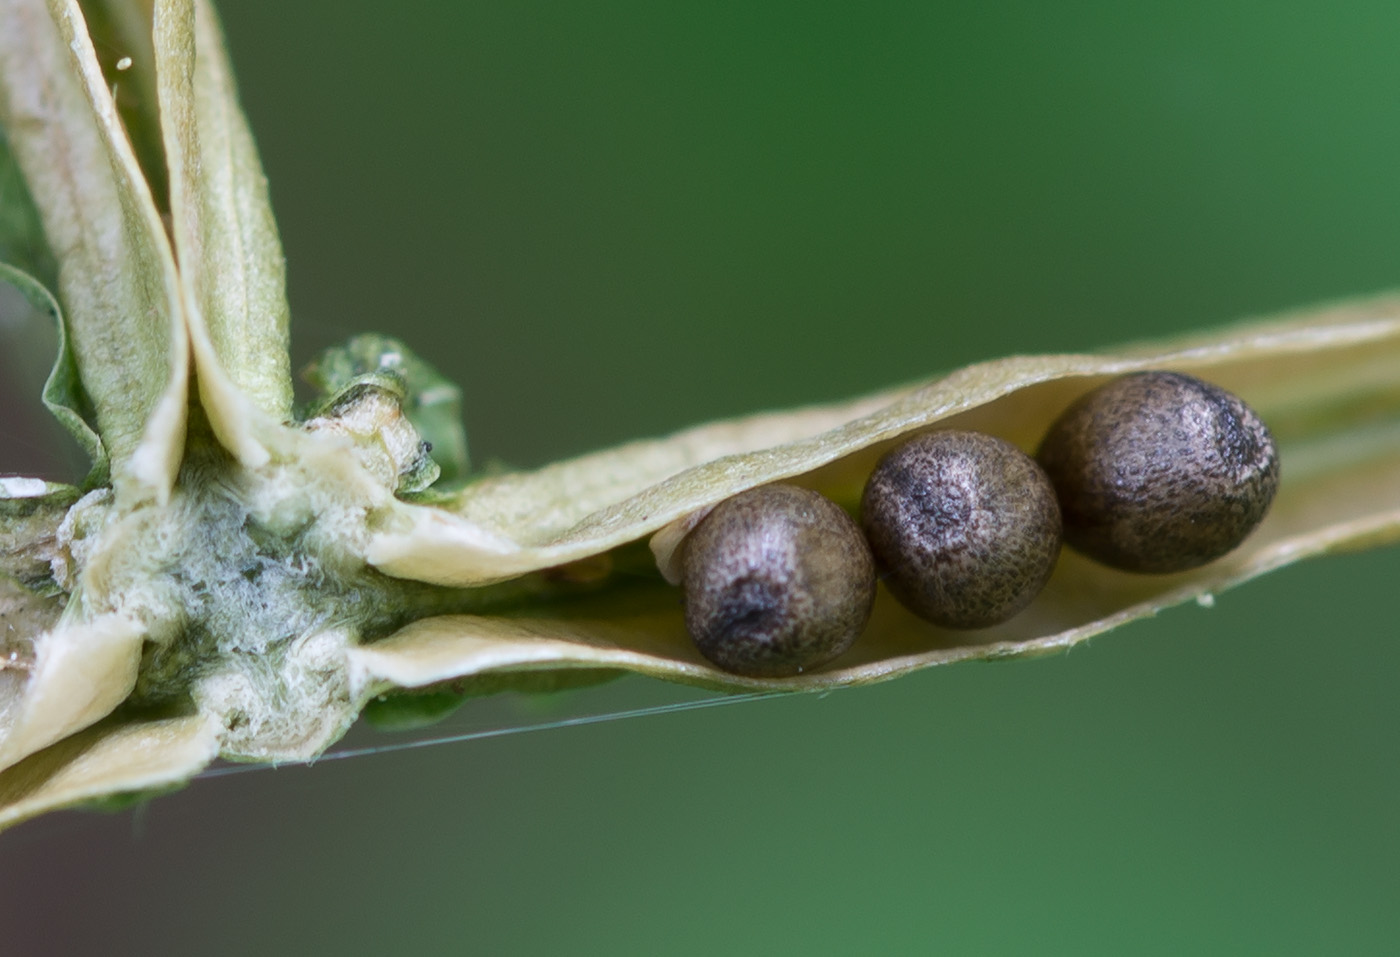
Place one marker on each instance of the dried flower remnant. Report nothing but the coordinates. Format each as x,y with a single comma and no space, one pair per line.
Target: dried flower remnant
778,580
1160,472
166,273
964,527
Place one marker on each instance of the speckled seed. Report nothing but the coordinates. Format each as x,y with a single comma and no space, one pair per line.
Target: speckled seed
778,580
964,527
1160,472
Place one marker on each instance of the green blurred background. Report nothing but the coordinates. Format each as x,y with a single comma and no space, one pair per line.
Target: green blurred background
614,220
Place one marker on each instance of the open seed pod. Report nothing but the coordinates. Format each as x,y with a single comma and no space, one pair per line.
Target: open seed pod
550,559
233,582
1326,381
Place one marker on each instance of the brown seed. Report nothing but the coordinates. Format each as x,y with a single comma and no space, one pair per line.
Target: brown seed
778,580
963,526
1160,472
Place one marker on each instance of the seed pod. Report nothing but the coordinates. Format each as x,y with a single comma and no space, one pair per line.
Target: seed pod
964,527
1160,472
778,580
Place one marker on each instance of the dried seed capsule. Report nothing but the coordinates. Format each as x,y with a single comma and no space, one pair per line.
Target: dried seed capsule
964,527
778,580
1160,472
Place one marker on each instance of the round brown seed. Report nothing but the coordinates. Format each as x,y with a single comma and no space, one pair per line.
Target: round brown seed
778,580
964,527
1160,472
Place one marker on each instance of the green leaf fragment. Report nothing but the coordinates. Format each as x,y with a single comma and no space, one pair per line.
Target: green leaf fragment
410,710
407,712
22,242
63,394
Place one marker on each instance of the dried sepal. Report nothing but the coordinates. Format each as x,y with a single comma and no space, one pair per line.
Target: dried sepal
82,660
117,276
80,672
231,264
109,760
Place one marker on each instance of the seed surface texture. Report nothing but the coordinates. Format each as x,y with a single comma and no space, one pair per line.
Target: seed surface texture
964,527
778,580
1160,472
